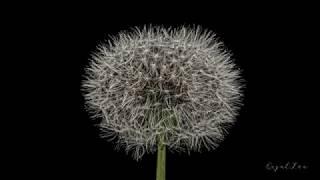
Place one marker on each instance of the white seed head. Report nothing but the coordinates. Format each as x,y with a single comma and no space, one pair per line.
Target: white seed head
177,83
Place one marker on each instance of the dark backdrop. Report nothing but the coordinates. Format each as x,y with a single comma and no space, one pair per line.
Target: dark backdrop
270,44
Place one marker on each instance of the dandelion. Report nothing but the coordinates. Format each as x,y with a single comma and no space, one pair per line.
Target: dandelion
156,88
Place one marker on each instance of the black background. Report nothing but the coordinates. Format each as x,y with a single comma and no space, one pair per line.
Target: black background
270,43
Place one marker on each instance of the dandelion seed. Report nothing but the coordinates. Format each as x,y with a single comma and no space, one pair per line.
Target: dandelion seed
163,85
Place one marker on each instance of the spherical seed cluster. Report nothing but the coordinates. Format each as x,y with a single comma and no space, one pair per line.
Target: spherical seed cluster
177,83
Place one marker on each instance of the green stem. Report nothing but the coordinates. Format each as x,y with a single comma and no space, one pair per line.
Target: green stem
161,160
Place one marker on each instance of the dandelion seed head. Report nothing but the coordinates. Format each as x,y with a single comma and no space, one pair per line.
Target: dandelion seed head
178,83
